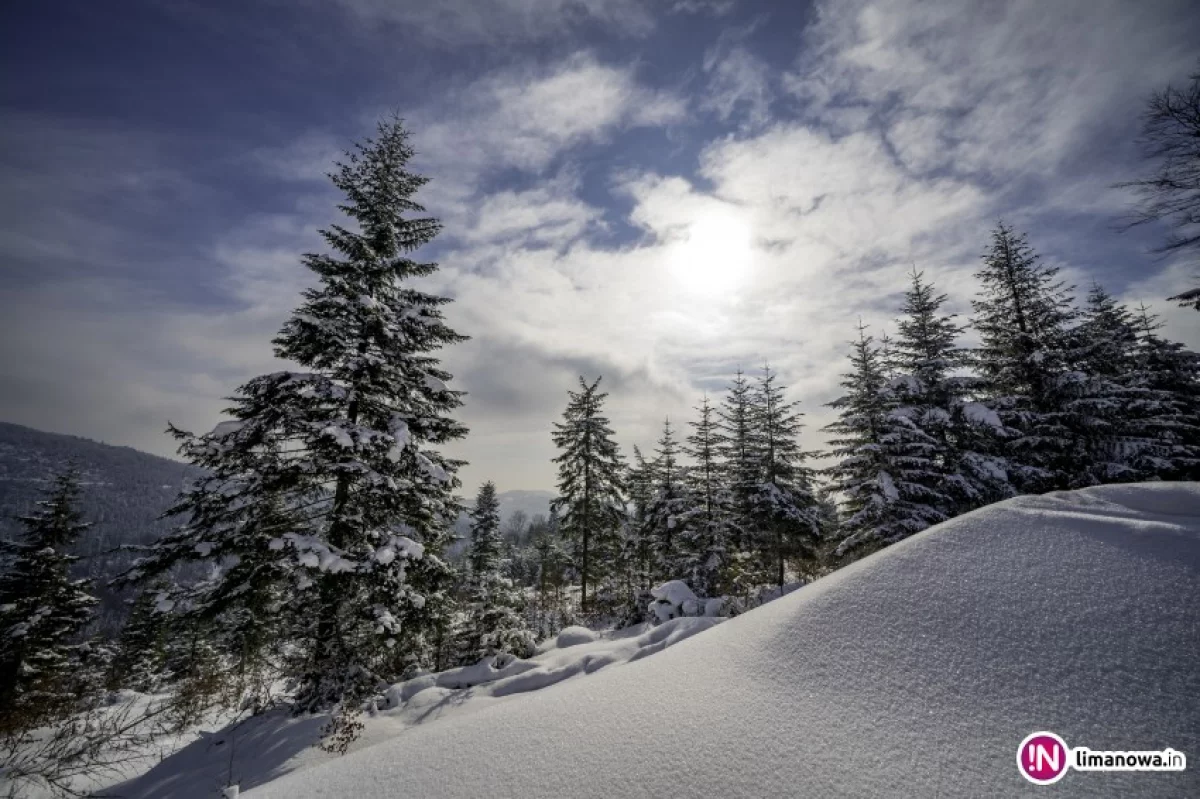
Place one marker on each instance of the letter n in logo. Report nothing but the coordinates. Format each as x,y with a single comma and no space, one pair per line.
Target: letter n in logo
1042,758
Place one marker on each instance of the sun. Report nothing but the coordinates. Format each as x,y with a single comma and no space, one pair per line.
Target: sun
714,255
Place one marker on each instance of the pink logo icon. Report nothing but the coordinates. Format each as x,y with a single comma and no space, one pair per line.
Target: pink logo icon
1042,758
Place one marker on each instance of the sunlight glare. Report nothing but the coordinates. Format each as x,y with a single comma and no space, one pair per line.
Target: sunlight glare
715,255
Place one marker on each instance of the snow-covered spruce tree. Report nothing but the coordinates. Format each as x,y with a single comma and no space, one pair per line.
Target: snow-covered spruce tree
667,512
493,605
639,480
783,502
43,612
141,658
325,492
953,447
1023,313
1167,411
1108,400
878,461
739,463
705,544
590,487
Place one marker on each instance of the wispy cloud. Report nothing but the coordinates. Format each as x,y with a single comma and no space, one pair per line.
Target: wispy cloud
458,22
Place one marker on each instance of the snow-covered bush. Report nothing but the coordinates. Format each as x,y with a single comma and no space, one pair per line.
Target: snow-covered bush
674,599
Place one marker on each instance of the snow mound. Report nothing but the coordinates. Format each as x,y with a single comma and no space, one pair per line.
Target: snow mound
277,743
914,672
674,598
573,636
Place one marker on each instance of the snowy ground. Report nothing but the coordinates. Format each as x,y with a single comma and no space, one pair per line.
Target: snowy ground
261,749
915,672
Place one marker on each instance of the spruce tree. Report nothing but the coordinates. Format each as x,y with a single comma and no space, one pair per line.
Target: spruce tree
326,491
707,532
494,606
1167,413
1022,314
590,486
739,463
141,658
783,502
666,513
1108,401
43,612
639,481
880,460
952,449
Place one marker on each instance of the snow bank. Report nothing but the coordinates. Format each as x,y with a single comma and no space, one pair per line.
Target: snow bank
914,672
277,743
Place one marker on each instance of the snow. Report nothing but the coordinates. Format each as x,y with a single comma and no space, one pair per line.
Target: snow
673,599
227,428
916,671
339,435
276,743
399,545
906,383
402,437
433,470
313,553
977,413
888,486
573,636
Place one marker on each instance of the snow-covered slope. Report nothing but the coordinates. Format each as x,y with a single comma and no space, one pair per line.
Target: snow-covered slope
915,672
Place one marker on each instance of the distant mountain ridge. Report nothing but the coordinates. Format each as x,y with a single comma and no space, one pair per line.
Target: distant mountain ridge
124,491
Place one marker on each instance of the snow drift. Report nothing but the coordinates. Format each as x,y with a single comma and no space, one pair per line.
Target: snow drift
915,672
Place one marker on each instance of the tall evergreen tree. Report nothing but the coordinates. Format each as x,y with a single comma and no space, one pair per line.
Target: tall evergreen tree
707,531
951,447
739,461
1023,313
881,463
494,605
1109,402
326,491
590,485
782,499
638,553
43,612
666,513
1167,412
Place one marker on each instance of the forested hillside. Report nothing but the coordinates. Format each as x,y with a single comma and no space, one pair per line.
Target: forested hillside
123,493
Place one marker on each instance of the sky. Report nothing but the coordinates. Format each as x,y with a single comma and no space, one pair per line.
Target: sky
657,192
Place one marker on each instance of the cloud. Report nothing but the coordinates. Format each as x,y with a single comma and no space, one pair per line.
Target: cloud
898,136
1004,90
524,117
459,22
738,81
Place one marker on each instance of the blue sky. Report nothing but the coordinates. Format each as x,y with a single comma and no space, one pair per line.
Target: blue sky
652,191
